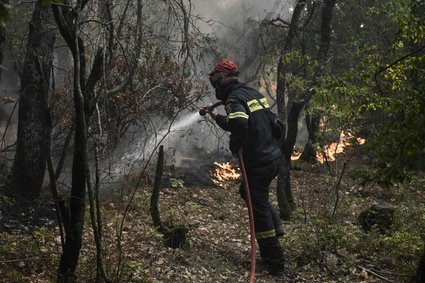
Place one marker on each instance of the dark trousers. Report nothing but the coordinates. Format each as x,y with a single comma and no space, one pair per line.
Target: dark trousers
259,179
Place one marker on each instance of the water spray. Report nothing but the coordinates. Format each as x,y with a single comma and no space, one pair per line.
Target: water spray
210,108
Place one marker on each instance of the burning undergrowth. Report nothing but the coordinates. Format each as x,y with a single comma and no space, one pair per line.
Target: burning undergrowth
206,170
330,151
224,172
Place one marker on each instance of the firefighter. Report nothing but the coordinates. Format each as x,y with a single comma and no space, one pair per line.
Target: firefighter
250,130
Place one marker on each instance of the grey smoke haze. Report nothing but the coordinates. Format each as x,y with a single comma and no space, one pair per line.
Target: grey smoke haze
235,25
228,14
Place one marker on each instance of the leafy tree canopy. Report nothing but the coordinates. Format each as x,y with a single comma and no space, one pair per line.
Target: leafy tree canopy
4,12
382,94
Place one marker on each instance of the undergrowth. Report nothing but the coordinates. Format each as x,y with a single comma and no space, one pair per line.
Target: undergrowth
320,246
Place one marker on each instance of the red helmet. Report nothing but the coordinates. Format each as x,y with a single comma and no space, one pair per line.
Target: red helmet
225,66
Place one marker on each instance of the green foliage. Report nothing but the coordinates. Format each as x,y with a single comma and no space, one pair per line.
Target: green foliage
173,215
177,183
16,32
4,13
6,200
402,248
410,218
299,81
382,95
321,239
314,241
135,272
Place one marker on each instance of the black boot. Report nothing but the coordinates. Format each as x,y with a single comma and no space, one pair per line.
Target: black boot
272,254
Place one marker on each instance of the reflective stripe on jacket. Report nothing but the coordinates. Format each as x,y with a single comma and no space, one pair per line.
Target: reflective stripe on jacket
249,125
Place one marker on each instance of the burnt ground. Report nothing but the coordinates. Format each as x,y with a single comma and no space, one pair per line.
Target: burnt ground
23,215
318,247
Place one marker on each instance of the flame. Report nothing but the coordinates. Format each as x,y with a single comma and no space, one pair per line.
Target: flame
224,172
335,148
7,100
332,149
296,154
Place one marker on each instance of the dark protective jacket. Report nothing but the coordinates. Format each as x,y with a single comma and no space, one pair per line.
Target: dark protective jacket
249,124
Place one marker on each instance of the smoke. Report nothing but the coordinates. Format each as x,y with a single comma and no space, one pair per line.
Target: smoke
235,26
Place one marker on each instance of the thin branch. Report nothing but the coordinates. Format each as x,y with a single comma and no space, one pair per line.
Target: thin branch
23,259
310,16
3,138
376,274
394,63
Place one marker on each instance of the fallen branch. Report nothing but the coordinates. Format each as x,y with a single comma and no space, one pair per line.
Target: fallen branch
391,273
23,259
376,274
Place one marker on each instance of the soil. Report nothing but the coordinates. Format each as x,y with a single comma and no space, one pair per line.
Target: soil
217,245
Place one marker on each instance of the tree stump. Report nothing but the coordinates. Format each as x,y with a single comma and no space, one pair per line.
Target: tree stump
379,217
174,236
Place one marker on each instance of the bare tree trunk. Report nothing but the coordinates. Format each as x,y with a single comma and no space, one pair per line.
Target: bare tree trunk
283,189
29,165
420,272
73,232
156,218
68,21
69,24
2,39
417,10
174,236
309,153
96,218
298,101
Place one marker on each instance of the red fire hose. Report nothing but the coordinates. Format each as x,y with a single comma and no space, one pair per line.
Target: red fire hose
251,216
202,112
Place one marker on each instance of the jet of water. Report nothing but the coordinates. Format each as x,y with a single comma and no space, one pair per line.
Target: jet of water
141,150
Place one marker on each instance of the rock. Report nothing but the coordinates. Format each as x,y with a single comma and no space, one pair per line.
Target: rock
378,216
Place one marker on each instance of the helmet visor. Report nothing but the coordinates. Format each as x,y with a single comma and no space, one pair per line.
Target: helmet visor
214,78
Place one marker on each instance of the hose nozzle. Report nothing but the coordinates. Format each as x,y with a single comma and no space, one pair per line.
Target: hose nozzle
203,111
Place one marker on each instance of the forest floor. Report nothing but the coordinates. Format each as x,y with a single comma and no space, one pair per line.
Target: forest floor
319,246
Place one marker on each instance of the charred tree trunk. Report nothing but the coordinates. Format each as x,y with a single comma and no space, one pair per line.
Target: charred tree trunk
417,10
284,175
420,272
283,189
296,102
156,218
71,250
29,165
2,40
309,153
174,237
68,23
